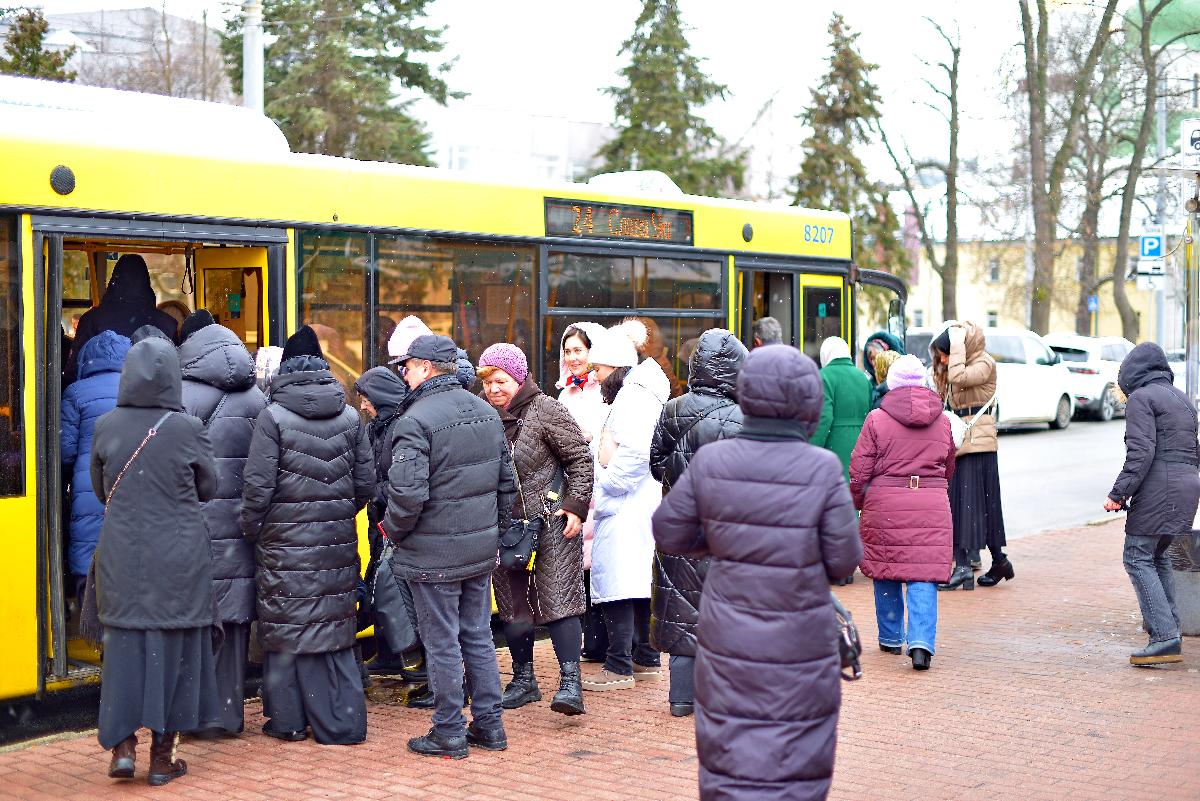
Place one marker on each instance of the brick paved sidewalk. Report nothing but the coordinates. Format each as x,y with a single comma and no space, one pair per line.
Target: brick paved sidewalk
1030,696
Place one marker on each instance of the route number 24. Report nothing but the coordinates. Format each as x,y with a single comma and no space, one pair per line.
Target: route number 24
818,233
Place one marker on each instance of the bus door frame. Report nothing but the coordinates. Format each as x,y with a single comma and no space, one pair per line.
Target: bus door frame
49,233
892,283
745,266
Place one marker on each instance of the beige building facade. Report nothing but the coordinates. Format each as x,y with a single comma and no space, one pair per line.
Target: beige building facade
994,290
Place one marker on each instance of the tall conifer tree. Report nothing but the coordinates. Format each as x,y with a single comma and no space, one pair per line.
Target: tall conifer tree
656,109
844,115
25,52
331,70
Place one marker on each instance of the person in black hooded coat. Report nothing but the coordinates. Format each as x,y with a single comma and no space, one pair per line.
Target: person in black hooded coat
152,466
707,413
219,389
127,305
1161,487
309,473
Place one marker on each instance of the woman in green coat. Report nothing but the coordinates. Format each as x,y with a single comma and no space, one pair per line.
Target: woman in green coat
847,401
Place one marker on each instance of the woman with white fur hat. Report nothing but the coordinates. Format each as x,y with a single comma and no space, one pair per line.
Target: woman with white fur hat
625,497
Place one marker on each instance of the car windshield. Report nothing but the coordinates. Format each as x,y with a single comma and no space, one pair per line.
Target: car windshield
1006,348
1071,354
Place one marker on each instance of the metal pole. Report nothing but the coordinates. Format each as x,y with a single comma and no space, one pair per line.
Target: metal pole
1192,347
252,55
1160,216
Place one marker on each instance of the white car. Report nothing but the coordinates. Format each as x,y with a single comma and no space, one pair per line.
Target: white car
1033,384
1093,363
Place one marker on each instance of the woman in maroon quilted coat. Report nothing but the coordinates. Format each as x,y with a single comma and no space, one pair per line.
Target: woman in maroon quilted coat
899,474
767,684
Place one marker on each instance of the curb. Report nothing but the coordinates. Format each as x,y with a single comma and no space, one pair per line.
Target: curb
1100,521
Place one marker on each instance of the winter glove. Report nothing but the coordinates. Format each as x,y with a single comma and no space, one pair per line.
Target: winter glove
958,335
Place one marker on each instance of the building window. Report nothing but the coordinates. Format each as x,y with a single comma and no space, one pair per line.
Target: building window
993,270
918,318
993,319
12,440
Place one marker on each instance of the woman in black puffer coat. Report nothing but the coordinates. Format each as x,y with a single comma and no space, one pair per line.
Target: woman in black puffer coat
309,473
1161,487
219,388
707,413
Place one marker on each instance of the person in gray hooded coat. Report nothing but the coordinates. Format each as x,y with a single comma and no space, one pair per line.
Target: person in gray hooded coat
1160,486
219,389
152,466
309,473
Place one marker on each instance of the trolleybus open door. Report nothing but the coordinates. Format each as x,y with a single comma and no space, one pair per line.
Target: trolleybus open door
879,299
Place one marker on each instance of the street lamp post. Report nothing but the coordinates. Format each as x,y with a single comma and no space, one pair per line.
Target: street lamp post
252,55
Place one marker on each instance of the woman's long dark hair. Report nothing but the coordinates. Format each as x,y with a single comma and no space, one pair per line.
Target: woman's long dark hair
610,386
572,331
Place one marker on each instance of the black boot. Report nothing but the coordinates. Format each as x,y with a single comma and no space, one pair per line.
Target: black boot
920,658
437,745
999,571
961,577
523,688
569,698
164,767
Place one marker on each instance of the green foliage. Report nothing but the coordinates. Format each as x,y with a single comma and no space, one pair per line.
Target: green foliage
659,128
844,115
24,47
331,69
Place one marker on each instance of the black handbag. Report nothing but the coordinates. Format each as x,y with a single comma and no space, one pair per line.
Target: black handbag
849,646
393,618
518,545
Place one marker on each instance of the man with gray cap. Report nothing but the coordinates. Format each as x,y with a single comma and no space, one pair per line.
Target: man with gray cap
450,489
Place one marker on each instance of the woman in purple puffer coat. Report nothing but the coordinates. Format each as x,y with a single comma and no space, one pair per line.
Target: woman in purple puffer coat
767,667
899,474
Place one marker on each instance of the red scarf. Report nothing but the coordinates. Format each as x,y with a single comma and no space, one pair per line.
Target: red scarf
576,381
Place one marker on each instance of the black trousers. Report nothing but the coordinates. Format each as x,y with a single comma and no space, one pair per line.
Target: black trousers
321,691
628,625
231,676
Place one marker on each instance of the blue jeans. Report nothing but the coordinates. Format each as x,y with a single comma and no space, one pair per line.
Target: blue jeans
922,613
1149,569
455,625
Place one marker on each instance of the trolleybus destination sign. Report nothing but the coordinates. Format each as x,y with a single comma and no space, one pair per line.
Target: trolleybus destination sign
587,220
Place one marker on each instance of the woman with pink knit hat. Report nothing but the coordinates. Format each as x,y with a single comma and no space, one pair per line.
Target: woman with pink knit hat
900,472
554,479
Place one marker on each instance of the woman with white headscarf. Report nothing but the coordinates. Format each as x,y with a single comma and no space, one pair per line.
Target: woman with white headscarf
847,401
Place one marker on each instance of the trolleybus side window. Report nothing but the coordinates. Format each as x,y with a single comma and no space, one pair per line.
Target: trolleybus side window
333,297
12,446
602,281
476,293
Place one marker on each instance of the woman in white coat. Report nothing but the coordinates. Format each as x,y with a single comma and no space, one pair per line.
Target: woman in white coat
625,497
579,391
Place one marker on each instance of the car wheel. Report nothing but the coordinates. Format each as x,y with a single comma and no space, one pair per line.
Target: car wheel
1062,418
1108,406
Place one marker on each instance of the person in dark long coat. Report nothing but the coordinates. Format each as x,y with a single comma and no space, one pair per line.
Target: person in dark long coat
127,305
152,466
309,473
899,477
550,454
219,389
83,403
1161,487
767,666
706,413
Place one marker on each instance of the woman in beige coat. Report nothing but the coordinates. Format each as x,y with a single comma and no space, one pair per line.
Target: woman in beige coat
965,377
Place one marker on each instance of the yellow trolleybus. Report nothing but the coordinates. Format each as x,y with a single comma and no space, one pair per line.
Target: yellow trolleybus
228,219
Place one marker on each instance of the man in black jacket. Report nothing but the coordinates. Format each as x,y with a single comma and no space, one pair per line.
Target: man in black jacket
451,486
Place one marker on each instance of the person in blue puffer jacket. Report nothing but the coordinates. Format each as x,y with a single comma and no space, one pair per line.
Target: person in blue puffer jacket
92,395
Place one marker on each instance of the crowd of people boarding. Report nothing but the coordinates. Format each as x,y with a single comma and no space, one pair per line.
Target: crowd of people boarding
211,518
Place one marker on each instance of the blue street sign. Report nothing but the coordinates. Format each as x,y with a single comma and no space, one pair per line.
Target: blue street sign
1152,246
1093,303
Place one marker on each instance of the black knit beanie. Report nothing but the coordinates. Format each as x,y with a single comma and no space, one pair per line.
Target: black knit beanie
302,343
201,318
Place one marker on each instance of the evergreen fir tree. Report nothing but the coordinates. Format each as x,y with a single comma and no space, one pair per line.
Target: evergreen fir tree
659,128
24,47
843,115
331,70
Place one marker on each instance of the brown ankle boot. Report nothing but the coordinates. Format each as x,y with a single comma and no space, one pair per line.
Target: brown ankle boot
164,767
121,766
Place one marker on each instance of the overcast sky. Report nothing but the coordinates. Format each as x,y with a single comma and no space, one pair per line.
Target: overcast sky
555,58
